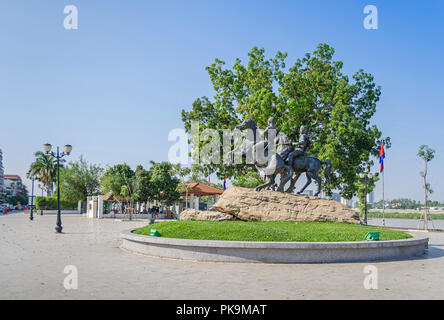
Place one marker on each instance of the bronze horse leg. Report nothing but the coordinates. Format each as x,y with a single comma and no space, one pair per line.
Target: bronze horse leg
313,175
293,183
306,184
270,182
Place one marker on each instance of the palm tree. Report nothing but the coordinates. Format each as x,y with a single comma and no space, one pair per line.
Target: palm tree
44,168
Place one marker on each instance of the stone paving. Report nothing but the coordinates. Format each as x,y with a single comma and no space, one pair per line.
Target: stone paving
33,257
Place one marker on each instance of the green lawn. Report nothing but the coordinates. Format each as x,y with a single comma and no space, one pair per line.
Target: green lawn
268,231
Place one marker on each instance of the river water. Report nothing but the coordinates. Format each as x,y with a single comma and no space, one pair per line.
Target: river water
407,223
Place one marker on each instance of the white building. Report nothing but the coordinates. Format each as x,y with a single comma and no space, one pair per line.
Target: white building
2,172
13,185
371,198
347,202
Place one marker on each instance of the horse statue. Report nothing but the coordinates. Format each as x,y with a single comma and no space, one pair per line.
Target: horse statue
298,162
311,166
272,164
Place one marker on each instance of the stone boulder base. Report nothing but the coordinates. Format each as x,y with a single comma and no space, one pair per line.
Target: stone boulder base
266,205
193,214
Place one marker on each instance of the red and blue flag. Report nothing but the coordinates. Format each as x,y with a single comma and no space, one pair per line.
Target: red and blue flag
381,158
225,184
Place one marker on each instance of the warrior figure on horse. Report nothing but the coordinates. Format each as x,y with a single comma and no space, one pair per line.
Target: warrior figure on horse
287,160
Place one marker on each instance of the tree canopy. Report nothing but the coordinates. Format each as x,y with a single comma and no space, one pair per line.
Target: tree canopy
336,109
158,183
118,180
80,179
249,180
163,183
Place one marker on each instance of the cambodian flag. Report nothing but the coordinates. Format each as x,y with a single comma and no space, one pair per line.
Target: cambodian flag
381,158
225,184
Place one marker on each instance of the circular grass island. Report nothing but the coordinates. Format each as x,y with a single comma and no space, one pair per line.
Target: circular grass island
271,242
282,231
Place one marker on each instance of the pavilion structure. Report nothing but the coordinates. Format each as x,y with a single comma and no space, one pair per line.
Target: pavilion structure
195,191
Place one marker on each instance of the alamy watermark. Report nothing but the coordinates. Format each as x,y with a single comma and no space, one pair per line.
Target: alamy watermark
371,20
71,21
211,146
371,280
71,281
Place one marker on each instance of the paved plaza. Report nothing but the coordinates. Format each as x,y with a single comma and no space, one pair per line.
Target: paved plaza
33,258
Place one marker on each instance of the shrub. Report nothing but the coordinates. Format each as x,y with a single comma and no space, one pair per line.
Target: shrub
50,203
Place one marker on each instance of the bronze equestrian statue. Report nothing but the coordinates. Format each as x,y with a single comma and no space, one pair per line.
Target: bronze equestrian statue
287,160
272,163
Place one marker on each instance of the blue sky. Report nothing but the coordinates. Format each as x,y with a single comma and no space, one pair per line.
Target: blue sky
115,87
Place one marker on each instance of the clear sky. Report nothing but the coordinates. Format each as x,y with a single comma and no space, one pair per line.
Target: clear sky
114,87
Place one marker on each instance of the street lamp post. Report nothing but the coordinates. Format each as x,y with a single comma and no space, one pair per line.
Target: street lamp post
41,188
29,175
67,150
366,177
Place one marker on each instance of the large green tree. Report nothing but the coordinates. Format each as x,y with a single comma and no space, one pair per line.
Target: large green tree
118,180
142,184
313,92
163,182
80,179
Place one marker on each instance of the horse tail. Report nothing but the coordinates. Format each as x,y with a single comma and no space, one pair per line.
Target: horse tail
327,170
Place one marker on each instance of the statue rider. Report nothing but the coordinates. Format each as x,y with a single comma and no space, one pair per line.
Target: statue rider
284,146
271,126
302,145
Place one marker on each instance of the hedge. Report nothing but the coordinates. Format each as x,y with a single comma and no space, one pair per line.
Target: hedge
50,203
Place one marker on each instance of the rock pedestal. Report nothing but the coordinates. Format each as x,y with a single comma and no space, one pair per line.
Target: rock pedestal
266,205
245,204
193,214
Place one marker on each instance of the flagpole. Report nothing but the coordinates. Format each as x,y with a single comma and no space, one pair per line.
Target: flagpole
381,163
383,201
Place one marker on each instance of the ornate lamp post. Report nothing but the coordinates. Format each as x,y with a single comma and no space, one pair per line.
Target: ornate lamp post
67,150
31,176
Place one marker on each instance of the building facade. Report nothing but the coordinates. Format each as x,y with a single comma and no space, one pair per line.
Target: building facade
13,185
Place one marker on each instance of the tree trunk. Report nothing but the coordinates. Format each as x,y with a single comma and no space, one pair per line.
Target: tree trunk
49,188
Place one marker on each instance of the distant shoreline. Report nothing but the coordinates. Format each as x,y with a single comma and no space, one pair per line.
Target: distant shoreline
406,211
402,215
